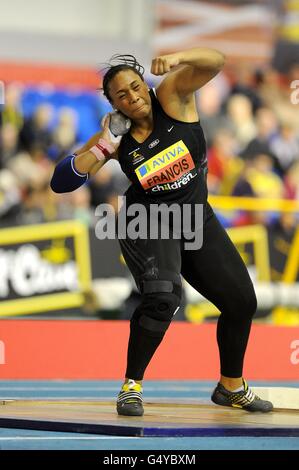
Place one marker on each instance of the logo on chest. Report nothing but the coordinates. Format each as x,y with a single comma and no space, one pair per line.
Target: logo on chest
153,144
137,157
167,166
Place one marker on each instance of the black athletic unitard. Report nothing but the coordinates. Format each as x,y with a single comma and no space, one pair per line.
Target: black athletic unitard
170,167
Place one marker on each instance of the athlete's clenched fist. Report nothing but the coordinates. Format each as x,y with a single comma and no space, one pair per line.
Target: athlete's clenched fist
164,63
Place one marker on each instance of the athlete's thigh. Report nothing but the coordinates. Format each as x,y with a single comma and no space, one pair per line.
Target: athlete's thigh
152,259
148,253
216,270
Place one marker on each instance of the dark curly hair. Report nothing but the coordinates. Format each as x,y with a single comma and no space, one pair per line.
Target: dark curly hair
117,63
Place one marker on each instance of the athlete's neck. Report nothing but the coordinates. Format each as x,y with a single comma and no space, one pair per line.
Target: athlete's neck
142,128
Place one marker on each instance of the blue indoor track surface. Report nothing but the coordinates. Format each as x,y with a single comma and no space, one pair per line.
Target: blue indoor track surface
22,439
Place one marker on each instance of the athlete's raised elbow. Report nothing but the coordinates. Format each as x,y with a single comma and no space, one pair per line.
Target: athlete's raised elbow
220,61
65,177
56,188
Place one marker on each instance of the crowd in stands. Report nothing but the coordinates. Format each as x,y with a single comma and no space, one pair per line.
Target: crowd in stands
251,126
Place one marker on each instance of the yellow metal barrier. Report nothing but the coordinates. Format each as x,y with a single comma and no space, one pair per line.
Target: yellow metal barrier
54,232
258,236
253,204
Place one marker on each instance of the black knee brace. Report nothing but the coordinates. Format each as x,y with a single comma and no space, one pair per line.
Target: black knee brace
160,300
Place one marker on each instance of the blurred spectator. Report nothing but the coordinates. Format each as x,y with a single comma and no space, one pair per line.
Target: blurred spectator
267,129
223,162
64,134
8,143
260,177
269,87
10,198
80,201
35,203
32,180
240,114
291,182
286,49
36,130
285,145
12,111
210,112
245,85
258,180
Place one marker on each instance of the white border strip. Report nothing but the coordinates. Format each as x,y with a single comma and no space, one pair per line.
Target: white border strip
76,172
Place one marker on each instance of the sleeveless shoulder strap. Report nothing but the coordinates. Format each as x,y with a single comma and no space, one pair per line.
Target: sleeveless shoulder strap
155,102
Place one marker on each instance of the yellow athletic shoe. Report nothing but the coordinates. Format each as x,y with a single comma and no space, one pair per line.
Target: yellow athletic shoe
129,400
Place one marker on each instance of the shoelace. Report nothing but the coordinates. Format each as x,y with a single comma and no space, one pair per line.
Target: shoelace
129,392
129,397
243,398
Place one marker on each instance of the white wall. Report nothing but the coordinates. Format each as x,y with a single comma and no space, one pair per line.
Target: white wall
108,18
74,30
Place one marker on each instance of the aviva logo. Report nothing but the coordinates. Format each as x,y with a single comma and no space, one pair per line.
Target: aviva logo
162,159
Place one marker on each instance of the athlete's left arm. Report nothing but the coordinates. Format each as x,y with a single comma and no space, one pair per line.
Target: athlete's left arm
190,69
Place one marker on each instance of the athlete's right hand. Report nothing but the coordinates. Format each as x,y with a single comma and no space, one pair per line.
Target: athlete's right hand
107,145
107,134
